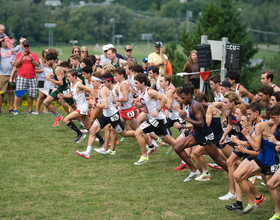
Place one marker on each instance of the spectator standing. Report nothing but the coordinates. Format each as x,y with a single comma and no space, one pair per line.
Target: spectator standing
26,62
2,30
84,51
104,58
145,66
192,66
76,50
158,58
128,51
5,72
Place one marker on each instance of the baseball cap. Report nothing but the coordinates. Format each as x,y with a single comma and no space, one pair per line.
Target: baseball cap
25,42
107,47
158,44
128,47
145,60
226,84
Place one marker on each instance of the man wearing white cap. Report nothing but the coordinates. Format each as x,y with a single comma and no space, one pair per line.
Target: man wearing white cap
103,57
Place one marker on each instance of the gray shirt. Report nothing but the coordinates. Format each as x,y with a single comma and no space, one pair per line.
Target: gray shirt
5,64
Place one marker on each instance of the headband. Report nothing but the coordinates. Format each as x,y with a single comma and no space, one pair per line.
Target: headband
110,79
95,78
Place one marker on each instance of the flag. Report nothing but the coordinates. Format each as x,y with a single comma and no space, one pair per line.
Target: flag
20,93
204,75
45,91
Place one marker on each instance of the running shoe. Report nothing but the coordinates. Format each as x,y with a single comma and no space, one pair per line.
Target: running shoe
203,177
259,177
57,120
100,150
109,152
32,113
234,207
262,183
182,166
192,176
214,166
80,137
248,209
259,201
85,131
228,196
141,160
83,154
151,150
275,217
16,112
170,150
159,142
122,139
252,179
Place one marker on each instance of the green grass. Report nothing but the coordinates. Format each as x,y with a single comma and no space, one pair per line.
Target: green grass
43,178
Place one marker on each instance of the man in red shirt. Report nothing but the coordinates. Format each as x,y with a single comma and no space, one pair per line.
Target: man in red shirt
26,79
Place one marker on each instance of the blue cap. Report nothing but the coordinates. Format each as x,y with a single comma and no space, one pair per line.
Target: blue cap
145,60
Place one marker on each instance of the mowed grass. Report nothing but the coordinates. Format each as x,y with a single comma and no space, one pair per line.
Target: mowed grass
43,178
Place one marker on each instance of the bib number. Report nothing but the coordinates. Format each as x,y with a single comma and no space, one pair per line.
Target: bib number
130,114
154,122
274,168
114,118
66,92
209,137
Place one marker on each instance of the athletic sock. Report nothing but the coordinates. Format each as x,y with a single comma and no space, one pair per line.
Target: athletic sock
74,127
56,114
258,198
206,171
184,162
239,203
81,123
99,136
152,146
88,151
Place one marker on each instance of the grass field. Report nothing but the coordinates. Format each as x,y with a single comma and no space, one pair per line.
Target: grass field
140,51
43,178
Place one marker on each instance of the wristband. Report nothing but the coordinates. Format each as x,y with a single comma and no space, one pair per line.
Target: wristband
158,110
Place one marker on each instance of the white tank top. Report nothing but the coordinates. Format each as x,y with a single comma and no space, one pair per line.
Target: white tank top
186,109
111,108
132,84
245,99
173,114
159,89
150,106
125,105
80,99
116,96
219,98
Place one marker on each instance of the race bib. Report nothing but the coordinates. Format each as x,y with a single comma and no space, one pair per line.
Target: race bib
164,121
66,92
114,118
209,137
83,112
181,121
274,168
154,122
130,114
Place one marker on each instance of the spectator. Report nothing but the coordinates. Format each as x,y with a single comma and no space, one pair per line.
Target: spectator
168,68
94,66
145,66
76,50
158,58
26,62
2,30
191,66
84,51
98,59
5,71
128,51
104,58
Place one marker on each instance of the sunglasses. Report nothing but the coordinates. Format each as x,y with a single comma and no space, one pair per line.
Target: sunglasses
105,51
26,46
84,51
128,50
75,51
98,59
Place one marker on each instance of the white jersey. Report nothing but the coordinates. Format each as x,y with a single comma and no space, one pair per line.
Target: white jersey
127,104
150,106
132,84
80,99
116,96
159,89
219,98
173,114
245,99
111,108
186,109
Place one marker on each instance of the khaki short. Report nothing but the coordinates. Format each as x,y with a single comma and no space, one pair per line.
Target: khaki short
4,85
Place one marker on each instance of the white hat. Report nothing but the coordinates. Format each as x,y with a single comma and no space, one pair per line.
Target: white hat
107,47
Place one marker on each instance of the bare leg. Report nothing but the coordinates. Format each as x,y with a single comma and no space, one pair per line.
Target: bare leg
30,103
272,185
212,151
39,101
